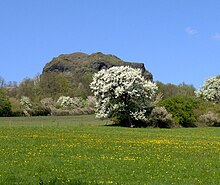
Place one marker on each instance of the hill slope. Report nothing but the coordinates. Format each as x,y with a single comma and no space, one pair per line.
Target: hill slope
82,63
76,69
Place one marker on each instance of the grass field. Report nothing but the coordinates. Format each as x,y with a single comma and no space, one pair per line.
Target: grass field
81,150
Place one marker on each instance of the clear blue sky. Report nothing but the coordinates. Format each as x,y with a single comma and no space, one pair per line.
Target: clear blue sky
178,40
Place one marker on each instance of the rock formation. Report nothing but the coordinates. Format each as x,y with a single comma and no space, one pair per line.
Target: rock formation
80,64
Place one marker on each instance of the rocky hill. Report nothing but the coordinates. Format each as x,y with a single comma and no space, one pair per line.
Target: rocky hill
81,63
78,68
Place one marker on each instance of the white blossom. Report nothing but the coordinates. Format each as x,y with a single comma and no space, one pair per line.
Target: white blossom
139,115
65,101
210,89
26,104
122,89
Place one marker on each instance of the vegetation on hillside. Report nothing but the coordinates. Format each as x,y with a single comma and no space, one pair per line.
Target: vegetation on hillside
70,76
5,104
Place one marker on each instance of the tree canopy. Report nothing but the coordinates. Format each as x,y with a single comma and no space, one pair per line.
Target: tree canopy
210,89
5,105
123,94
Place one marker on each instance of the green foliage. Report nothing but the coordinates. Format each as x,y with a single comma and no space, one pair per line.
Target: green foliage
39,110
16,107
5,104
81,84
182,110
29,87
54,85
207,110
169,90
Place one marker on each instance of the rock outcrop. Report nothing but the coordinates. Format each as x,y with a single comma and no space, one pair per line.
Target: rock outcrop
79,64
71,74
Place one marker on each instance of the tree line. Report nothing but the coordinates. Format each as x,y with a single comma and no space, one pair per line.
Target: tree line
170,105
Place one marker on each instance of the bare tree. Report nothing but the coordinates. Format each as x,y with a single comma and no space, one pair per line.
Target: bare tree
2,82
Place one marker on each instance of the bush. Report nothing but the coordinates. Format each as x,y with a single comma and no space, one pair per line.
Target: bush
26,105
16,107
5,104
205,107
79,102
182,109
91,102
68,106
65,101
209,119
169,90
38,110
159,117
47,102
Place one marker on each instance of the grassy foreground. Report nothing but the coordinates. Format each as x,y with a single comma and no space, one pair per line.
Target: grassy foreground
79,150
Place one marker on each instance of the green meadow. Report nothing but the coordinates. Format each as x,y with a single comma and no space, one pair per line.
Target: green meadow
84,150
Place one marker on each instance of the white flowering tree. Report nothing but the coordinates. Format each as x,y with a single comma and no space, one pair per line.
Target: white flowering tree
26,104
123,94
210,90
65,101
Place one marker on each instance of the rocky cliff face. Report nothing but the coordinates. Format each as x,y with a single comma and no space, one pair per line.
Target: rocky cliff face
79,64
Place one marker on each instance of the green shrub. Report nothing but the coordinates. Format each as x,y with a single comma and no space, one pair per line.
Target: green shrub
5,104
16,107
169,90
203,109
182,109
40,111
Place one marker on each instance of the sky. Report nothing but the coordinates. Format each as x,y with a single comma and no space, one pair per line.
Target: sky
177,40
